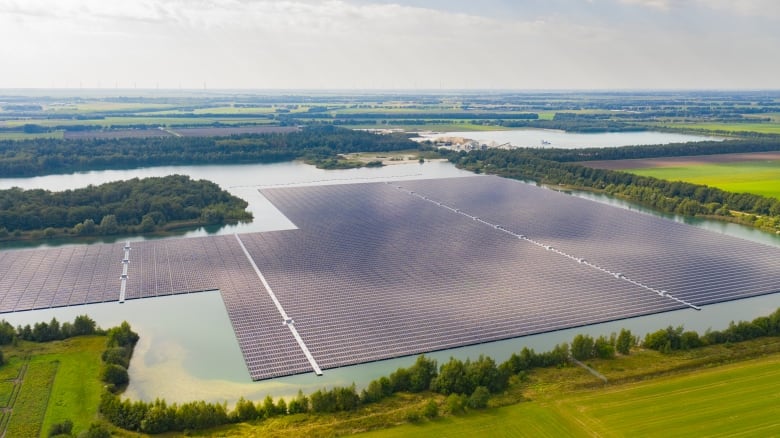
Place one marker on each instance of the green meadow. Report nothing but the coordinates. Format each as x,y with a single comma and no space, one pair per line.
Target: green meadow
729,400
26,136
757,177
762,128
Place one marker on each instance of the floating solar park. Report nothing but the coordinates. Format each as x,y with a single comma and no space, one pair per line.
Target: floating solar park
382,270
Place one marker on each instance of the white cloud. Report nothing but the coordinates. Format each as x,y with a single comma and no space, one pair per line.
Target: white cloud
749,8
663,5
344,44
752,8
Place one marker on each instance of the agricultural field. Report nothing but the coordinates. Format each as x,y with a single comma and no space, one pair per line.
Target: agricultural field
208,131
45,383
29,408
761,128
757,173
454,126
138,120
26,136
736,114
98,106
728,400
117,133
756,178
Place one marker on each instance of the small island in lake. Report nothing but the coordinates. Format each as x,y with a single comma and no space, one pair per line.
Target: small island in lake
148,205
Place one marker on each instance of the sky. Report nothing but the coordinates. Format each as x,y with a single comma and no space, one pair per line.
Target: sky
386,44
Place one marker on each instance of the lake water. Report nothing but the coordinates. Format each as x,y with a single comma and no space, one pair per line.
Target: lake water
188,350
571,140
242,180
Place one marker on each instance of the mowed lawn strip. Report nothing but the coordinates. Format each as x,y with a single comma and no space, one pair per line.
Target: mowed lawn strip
30,406
76,391
759,178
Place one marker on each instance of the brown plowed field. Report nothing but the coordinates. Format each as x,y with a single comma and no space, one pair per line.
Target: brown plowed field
643,163
183,132
220,132
116,133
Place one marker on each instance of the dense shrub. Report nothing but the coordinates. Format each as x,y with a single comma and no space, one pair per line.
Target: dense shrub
115,375
61,428
479,398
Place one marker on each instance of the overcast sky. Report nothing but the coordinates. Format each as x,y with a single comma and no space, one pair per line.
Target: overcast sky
365,44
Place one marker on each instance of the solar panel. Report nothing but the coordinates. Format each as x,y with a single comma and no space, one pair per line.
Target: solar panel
376,271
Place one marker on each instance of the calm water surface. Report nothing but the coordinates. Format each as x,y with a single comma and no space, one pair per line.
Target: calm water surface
571,140
188,350
240,180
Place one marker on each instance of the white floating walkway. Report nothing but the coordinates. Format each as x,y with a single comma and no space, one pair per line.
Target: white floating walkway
579,260
285,318
125,263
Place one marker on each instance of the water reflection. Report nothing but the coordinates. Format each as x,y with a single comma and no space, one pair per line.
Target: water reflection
552,138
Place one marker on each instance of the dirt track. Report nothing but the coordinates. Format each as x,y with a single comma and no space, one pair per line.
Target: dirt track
643,163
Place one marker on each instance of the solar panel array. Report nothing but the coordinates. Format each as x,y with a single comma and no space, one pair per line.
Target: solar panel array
66,276
688,262
385,270
374,273
165,267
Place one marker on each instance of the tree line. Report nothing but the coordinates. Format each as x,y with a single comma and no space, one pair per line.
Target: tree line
467,384
44,332
136,205
48,156
677,338
116,357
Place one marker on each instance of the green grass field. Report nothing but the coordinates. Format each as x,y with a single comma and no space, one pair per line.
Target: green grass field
763,128
730,400
521,420
76,391
757,177
6,390
103,106
24,136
